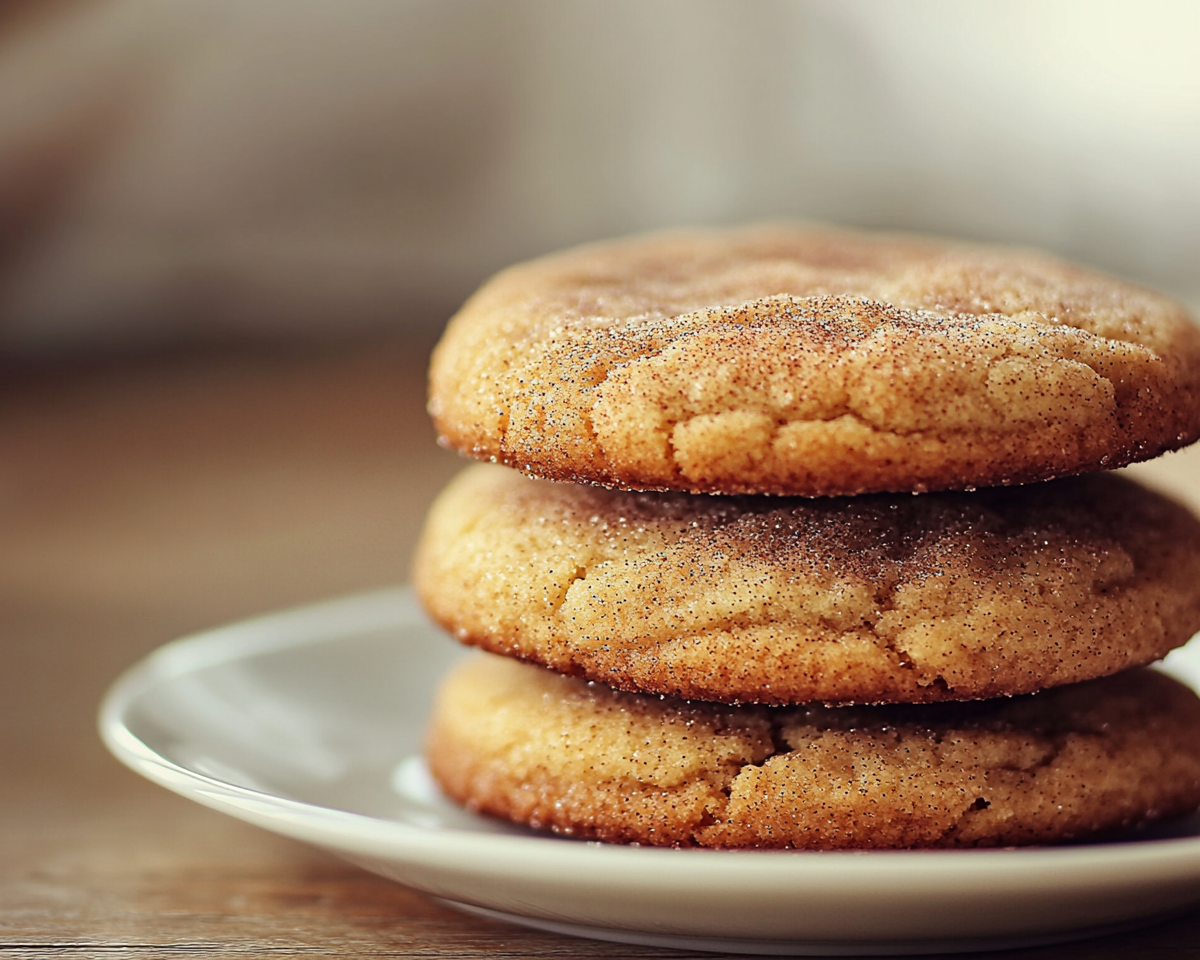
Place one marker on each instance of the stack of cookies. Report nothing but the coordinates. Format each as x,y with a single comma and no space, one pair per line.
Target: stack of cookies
755,635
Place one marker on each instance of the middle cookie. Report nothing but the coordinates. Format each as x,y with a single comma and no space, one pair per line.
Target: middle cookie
774,600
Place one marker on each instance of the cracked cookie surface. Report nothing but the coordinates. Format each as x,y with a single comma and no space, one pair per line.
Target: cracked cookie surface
519,742
813,362
867,599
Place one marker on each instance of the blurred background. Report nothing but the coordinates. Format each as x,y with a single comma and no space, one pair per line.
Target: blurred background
230,231
199,170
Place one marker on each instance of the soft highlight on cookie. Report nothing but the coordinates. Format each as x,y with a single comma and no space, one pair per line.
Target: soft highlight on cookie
805,361
868,599
522,743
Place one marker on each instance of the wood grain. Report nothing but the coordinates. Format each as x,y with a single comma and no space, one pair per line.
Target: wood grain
142,499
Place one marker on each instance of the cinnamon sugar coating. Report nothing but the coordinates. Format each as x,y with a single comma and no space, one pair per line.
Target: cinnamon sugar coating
814,362
868,599
519,742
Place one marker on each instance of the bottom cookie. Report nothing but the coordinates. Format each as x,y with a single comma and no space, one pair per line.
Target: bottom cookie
519,742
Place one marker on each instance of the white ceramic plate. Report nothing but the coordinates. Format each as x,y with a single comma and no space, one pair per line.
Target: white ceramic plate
309,723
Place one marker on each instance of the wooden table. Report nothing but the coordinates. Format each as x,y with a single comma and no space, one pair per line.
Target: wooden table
143,499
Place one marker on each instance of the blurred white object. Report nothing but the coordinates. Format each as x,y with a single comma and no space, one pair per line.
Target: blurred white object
183,168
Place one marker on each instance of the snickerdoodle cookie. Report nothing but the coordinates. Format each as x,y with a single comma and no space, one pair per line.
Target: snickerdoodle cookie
517,741
869,599
809,361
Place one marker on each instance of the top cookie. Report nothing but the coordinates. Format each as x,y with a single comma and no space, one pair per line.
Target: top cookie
791,360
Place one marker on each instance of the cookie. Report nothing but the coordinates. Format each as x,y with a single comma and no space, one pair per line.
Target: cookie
519,742
880,598
792,360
